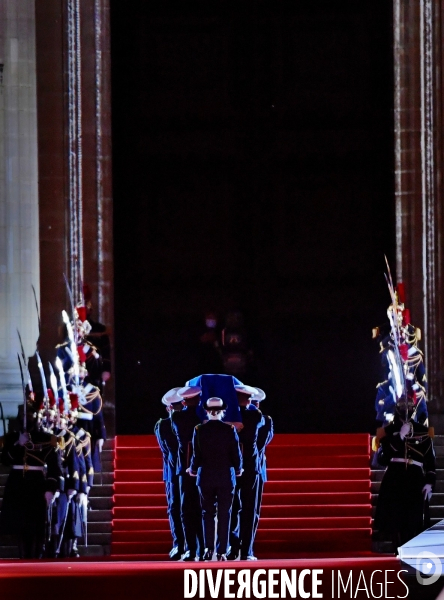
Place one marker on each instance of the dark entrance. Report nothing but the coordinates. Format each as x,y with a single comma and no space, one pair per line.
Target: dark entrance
253,169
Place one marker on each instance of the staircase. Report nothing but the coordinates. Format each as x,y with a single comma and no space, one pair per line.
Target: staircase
317,498
99,515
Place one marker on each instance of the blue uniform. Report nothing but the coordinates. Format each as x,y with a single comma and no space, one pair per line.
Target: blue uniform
216,460
264,437
183,424
169,447
245,499
34,472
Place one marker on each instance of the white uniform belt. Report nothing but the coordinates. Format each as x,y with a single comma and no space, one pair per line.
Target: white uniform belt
408,461
28,468
85,416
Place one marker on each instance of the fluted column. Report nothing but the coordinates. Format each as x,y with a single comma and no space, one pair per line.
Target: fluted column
19,239
418,63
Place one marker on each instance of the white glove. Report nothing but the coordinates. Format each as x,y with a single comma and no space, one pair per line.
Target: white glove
240,473
405,431
427,491
71,494
191,473
100,444
82,499
105,376
49,497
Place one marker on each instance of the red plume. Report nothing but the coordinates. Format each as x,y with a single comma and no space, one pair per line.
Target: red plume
74,399
51,397
406,316
81,311
401,293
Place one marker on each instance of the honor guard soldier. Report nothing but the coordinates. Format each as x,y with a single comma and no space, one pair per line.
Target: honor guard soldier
216,462
90,415
33,484
86,476
245,499
183,424
64,528
406,448
264,437
169,447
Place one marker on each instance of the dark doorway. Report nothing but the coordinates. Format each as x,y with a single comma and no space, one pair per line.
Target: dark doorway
253,170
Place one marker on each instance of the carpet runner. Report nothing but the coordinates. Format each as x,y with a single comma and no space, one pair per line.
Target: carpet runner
317,498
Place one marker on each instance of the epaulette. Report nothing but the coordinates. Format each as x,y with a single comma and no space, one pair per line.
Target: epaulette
381,383
61,444
375,444
63,345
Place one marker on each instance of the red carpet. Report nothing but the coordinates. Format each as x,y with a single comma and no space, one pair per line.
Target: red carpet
71,580
317,499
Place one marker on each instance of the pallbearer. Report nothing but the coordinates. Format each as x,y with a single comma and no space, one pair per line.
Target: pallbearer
264,437
216,462
169,446
183,424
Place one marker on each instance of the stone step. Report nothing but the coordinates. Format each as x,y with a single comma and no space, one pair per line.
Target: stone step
104,503
97,491
100,516
375,485
382,547
107,456
103,478
377,475
101,491
437,510
98,527
110,444
95,550
11,552
99,539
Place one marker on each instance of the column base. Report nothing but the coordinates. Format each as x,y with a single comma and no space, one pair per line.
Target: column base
11,396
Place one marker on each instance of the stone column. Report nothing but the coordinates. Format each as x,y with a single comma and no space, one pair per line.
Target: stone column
418,167
75,200
19,234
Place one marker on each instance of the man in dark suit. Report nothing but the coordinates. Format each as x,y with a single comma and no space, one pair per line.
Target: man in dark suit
169,446
216,462
183,424
245,499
